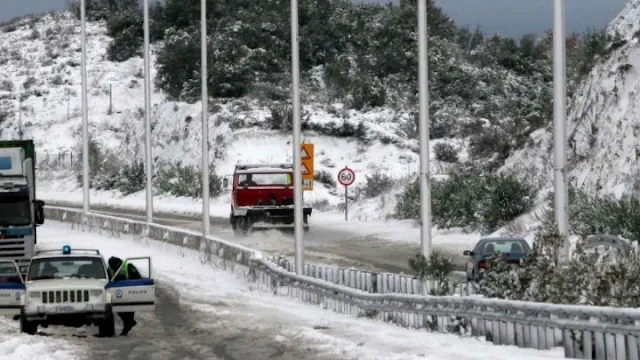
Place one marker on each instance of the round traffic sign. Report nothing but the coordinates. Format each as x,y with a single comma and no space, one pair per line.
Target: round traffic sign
346,177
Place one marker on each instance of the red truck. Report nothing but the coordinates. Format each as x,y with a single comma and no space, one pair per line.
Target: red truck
262,198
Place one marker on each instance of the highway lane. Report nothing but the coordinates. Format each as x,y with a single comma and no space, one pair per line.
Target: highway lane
322,244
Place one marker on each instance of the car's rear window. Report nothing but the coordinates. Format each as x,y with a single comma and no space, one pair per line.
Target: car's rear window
280,179
505,246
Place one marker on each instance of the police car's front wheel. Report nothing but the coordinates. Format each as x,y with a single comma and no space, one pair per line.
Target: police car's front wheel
107,327
26,326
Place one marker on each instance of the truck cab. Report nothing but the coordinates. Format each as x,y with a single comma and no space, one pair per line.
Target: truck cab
262,198
20,212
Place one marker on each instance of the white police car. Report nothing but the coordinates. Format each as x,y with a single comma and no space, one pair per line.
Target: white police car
71,288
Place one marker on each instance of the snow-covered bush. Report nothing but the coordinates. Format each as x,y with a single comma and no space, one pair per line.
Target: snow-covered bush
4,115
591,277
179,180
344,130
104,166
469,200
437,268
605,215
324,177
126,29
6,85
445,152
377,183
131,178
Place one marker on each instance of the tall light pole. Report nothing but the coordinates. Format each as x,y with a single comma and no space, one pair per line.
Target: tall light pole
559,125
297,161
85,110
147,114
205,121
423,74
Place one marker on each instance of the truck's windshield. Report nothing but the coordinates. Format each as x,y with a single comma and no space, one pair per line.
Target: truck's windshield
15,210
278,179
67,267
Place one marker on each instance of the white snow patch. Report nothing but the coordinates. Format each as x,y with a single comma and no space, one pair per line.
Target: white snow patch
17,346
626,23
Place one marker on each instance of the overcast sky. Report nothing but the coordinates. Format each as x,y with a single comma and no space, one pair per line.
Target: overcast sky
507,17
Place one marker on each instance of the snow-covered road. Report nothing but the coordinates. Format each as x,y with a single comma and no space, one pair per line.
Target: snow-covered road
368,246
205,312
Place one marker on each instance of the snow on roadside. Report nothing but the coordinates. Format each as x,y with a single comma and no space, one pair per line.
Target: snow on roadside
404,231
206,287
17,346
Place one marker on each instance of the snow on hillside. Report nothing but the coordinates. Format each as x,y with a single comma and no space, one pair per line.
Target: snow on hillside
603,131
626,23
41,60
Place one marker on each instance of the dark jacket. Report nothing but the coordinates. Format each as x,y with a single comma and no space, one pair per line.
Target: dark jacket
128,272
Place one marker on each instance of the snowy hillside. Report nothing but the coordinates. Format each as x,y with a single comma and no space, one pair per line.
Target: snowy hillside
41,60
603,131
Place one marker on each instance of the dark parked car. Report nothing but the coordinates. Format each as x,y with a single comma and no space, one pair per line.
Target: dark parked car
513,251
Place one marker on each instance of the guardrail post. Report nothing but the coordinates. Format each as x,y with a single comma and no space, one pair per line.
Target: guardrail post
610,346
600,347
511,333
569,343
352,278
632,346
495,330
621,344
587,345
520,335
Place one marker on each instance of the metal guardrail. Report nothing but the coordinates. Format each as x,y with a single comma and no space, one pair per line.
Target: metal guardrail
378,283
583,331
208,246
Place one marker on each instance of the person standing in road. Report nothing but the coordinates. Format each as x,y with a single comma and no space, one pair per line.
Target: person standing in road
128,272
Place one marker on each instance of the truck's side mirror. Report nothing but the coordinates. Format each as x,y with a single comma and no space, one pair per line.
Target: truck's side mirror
39,212
225,183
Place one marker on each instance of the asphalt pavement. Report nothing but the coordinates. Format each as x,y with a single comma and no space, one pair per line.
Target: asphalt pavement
322,244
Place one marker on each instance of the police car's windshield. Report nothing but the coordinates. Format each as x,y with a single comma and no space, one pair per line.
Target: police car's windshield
67,267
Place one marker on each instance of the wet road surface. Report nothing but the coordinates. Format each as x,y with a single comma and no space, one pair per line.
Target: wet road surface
322,244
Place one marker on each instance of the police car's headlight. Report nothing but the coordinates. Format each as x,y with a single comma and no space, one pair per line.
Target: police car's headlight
34,294
96,292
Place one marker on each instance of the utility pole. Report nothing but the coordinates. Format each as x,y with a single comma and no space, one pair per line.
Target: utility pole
20,127
559,124
147,115
85,110
425,178
297,161
205,122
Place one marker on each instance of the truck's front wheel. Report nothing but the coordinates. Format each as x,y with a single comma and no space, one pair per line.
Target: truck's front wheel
27,326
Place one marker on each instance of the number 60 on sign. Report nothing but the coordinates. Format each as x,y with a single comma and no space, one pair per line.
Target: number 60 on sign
346,177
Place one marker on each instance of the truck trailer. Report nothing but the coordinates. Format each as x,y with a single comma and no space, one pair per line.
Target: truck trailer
20,212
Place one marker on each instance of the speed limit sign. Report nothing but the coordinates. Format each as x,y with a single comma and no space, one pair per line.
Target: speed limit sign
346,177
